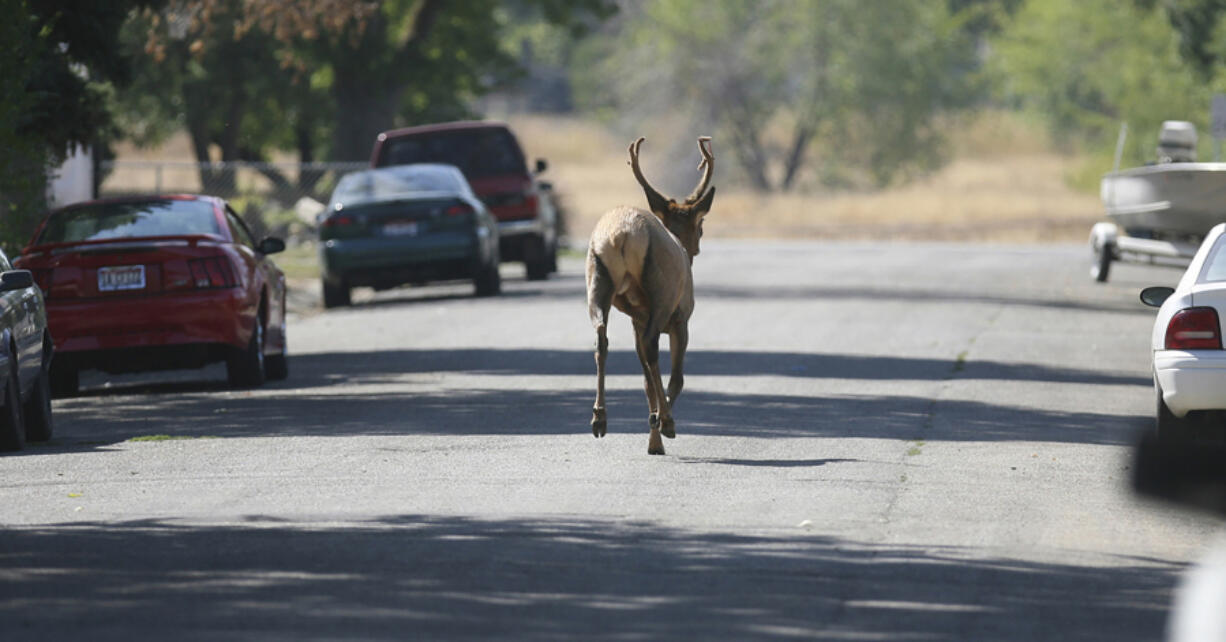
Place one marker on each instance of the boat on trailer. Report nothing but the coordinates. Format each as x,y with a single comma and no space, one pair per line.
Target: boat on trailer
1161,212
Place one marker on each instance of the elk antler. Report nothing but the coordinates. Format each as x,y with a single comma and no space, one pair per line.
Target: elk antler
707,163
654,199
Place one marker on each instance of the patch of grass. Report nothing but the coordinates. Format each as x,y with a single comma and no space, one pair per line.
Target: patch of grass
916,449
169,437
1006,182
299,261
960,361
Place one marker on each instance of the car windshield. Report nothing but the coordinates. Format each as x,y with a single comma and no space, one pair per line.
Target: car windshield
488,151
101,221
396,182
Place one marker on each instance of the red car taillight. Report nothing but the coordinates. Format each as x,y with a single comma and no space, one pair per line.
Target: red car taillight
1194,329
213,272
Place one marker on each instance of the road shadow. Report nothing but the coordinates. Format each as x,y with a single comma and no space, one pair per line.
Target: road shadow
430,577
919,296
399,394
315,369
570,285
559,286
386,366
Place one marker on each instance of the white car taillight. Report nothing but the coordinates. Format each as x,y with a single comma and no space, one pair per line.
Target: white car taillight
1194,329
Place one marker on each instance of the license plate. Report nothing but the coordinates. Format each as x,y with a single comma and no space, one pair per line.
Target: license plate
126,277
400,229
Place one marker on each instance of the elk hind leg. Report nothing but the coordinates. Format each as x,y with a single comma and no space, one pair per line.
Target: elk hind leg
647,344
599,298
600,421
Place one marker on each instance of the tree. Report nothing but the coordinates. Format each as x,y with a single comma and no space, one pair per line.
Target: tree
868,77
413,62
55,58
319,76
1200,29
1088,66
23,156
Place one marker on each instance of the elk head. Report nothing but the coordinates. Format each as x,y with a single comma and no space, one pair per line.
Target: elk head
683,219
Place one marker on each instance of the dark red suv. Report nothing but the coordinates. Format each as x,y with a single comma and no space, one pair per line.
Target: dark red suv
491,159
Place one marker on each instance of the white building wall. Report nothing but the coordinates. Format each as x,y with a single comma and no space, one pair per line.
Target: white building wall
73,181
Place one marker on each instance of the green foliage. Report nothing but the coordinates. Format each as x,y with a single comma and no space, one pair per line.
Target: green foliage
324,78
224,85
55,56
23,156
1090,65
868,77
1199,24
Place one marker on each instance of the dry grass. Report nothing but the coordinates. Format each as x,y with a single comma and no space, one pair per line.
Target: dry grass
1006,184
1020,198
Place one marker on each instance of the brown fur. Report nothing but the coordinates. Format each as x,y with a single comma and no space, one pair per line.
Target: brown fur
638,261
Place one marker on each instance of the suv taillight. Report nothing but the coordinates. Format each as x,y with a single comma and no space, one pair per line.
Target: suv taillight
42,278
1194,329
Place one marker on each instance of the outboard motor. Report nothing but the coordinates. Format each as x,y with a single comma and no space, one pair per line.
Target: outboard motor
1177,142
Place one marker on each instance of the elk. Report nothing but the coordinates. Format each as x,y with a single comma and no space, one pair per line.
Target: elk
640,262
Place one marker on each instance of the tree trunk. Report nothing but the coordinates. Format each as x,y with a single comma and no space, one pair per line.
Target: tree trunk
230,138
749,155
367,108
198,129
743,121
796,156
363,111
307,178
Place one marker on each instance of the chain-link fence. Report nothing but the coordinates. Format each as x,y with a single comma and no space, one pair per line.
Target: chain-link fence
278,198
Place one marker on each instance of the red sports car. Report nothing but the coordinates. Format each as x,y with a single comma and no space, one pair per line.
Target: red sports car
156,283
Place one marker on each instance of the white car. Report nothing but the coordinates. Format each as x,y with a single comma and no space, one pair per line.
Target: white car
1188,360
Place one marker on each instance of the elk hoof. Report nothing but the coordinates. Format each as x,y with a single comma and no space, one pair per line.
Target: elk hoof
655,446
668,427
600,424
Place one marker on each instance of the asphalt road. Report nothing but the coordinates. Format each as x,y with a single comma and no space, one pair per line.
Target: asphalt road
876,442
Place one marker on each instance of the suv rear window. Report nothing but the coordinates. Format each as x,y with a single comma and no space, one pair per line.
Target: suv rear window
102,221
490,151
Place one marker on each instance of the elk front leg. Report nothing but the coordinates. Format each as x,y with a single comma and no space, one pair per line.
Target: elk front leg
647,344
600,422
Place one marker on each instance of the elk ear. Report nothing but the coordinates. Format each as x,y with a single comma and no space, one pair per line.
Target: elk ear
657,203
704,204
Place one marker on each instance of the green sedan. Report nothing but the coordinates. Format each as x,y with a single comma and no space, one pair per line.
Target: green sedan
406,224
